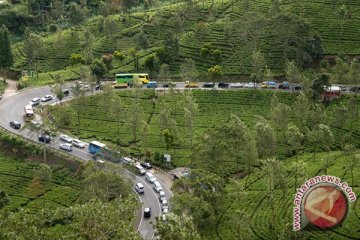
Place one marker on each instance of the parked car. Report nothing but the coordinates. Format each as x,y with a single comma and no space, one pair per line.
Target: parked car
139,188
355,89
140,170
78,143
169,84
47,98
151,85
150,177
44,138
146,165
127,160
208,85
66,138
15,124
66,92
35,124
34,102
249,85
296,87
147,212
162,196
268,84
189,84
164,204
1,97
223,85
236,85
157,186
284,85
66,146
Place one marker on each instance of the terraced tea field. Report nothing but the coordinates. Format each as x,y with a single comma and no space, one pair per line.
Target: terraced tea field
16,176
253,203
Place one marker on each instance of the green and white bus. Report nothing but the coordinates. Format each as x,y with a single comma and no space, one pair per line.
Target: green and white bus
123,80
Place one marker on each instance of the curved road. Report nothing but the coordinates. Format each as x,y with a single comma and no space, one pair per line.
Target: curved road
12,108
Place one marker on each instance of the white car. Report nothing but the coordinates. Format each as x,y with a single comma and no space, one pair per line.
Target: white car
236,85
78,143
34,101
149,177
249,85
66,138
47,98
162,196
157,186
127,160
66,146
139,187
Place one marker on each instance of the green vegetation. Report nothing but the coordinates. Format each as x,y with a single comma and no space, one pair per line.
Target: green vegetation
223,33
18,179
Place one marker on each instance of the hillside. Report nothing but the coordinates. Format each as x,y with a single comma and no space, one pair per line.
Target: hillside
100,119
253,203
236,28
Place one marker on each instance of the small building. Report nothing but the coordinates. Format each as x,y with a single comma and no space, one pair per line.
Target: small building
331,93
180,172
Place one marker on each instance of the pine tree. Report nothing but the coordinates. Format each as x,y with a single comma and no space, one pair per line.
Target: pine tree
6,58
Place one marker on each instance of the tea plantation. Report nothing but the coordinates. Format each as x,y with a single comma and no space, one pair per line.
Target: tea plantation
236,28
16,176
252,203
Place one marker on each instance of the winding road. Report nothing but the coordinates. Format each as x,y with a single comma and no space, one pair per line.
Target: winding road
12,109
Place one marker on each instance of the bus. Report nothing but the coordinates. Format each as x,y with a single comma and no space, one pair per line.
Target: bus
125,80
95,147
29,113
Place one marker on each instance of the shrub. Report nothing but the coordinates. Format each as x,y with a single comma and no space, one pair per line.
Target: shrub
119,56
52,28
76,58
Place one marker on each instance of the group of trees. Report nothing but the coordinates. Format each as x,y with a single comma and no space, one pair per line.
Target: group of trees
105,209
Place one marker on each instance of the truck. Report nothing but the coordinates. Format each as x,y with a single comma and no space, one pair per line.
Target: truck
189,84
268,84
95,147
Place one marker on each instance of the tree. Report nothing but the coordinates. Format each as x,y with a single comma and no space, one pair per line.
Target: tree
191,109
274,175
88,42
6,57
340,72
119,56
294,138
326,140
258,67
265,139
176,228
57,10
76,13
350,151
43,173
279,113
98,69
301,110
110,27
57,88
135,56
141,40
4,199
32,47
35,188
215,73
318,85
188,70
76,58
292,72
135,114
164,73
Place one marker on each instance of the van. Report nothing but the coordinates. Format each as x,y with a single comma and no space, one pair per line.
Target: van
66,92
139,188
140,169
149,177
157,186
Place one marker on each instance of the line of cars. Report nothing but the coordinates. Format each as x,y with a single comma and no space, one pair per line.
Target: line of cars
156,185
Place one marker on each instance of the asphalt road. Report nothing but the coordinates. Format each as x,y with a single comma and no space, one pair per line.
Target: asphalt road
12,108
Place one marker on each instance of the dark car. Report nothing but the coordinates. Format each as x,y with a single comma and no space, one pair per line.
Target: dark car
44,138
66,92
146,165
284,85
223,85
15,124
208,85
297,87
98,86
147,212
169,84
355,89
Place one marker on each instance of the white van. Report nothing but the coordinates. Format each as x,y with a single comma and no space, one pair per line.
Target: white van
139,188
127,160
157,186
149,177
140,169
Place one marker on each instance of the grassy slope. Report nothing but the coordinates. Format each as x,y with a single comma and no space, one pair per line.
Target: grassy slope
255,202
16,175
338,36
215,107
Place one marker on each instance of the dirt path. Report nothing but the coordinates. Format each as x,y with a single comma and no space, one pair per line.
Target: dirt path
10,89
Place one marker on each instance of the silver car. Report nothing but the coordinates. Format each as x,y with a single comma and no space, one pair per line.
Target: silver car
47,98
78,143
66,146
66,138
34,102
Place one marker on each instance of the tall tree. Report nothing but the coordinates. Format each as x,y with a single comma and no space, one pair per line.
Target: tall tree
265,139
258,67
4,199
188,70
111,27
191,109
176,228
294,138
87,42
215,73
32,48
6,57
